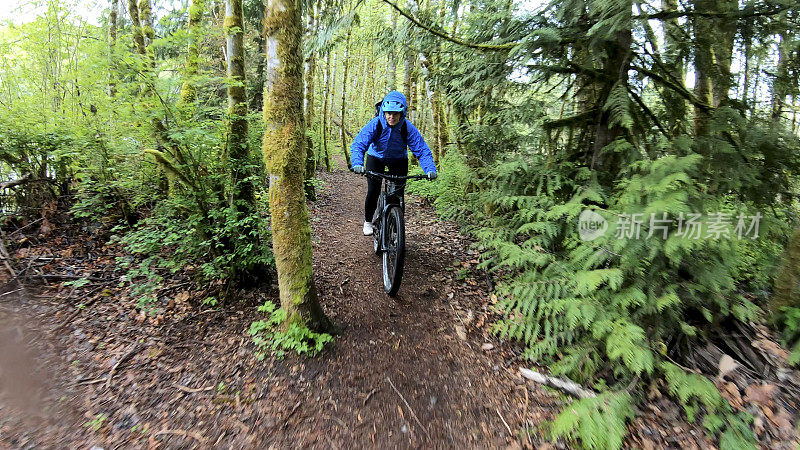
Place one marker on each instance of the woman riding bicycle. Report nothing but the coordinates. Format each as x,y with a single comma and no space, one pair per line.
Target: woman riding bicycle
385,139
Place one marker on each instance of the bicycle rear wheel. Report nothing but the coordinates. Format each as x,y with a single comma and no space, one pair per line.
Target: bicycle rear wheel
394,235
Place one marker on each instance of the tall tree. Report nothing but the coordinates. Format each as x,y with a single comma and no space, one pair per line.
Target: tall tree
342,134
112,45
242,196
284,154
311,63
674,104
325,112
391,75
136,25
189,88
703,62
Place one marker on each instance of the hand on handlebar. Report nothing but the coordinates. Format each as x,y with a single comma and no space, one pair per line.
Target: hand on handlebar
358,169
431,175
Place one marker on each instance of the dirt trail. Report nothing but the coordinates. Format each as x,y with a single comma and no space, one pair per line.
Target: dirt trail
460,394
190,378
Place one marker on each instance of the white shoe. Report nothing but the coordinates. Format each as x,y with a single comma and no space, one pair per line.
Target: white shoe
367,229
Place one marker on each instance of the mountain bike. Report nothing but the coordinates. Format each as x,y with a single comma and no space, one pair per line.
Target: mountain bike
389,229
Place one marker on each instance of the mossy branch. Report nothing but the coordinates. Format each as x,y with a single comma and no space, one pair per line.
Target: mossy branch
168,166
488,47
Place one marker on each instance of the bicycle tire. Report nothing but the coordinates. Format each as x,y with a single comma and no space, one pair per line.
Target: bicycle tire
395,253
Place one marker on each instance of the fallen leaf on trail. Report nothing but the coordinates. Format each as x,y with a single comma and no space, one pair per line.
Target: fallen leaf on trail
486,347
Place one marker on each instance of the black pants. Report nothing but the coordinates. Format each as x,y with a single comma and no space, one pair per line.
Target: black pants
394,166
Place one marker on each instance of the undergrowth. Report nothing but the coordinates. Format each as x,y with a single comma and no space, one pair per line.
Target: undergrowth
277,336
614,311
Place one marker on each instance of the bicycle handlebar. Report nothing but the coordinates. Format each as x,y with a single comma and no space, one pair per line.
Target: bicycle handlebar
395,177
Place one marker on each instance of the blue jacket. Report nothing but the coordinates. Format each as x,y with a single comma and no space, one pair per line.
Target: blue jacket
389,145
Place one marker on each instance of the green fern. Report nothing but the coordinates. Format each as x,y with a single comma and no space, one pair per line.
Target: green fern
597,423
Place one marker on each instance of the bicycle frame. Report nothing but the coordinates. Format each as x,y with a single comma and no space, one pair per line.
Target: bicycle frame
390,197
390,244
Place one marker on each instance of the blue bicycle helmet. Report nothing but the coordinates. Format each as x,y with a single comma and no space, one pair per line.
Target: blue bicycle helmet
393,106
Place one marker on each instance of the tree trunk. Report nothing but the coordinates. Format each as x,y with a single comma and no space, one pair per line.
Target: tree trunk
136,25
188,89
435,112
702,65
332,87
408,69
615,72
242,195
346,62
444,134
325,115
391,78
311,159
674,104
146,18
787,279
724,34
782,84
284,154
112,44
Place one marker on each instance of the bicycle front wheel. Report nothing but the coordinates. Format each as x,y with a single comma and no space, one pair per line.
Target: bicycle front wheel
394,235
376,227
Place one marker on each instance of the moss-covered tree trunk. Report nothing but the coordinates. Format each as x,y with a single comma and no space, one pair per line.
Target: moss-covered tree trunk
311,159
284,154
703,35
149,34
435,113
332,88
136,28
245,241
327,89
723,38
408,69
112,45
189,89
342,134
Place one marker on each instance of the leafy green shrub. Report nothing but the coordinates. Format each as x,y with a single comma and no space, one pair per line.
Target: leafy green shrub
275,335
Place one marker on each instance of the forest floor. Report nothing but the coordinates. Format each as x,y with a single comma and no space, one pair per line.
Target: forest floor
85,367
